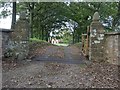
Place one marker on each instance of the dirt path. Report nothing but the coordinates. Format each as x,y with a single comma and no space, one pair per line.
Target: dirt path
58,67
69,55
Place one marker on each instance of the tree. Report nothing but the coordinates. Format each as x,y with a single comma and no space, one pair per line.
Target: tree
116,21
13,15
46,17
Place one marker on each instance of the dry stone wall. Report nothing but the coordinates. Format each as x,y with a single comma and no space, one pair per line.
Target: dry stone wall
4,39
112,47
1,45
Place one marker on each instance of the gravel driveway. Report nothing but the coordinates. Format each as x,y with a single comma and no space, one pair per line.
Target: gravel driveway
59,67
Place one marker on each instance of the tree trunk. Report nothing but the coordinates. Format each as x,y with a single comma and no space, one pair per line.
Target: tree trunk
42,32
39,31
13,15
73,37
78,38
47,36
31,24
31,7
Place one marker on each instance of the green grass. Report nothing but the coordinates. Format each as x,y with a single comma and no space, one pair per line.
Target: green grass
37,40
78,44
62,44
37,43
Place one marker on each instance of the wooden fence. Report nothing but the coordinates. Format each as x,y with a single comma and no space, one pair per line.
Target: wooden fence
85,42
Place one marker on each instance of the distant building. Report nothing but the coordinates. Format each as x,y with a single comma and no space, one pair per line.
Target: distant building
54,40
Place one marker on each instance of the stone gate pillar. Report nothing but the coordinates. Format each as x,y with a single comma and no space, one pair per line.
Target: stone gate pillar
96,44
19,43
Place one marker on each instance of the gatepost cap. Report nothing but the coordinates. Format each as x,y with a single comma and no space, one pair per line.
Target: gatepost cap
23,15
96,16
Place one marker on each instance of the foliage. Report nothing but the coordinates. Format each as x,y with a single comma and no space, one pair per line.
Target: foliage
47,17
67,38
36,43
36,40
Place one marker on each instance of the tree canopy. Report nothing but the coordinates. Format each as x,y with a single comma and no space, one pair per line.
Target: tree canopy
47,17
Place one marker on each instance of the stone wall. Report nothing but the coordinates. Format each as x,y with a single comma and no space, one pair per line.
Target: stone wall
0,44
4,40
112,47
0,60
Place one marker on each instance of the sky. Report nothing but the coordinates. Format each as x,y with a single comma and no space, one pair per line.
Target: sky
6,22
